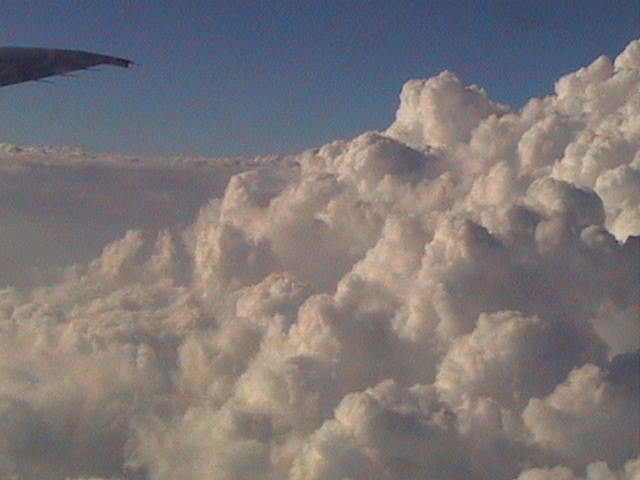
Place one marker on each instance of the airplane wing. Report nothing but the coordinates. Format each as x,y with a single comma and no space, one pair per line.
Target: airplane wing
22,64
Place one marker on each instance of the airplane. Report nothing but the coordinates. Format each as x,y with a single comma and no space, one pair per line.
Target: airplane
23,64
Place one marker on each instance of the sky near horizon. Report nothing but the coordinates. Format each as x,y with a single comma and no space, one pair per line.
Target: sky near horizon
246,78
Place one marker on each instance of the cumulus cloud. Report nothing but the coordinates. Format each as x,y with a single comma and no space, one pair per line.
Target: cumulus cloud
63,205
454,297
593,414
595,471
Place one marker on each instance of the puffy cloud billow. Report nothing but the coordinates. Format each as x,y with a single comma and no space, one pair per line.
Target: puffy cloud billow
454,297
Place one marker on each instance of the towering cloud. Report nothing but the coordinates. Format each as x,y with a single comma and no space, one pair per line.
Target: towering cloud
454,297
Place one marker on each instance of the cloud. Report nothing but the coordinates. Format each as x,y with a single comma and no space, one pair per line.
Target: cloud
62,206
590,415
595,471
454,297
440,111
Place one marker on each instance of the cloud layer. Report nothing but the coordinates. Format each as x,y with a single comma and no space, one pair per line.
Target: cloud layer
454,297
62,206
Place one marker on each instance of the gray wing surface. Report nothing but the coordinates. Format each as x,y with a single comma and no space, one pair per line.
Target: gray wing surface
22,64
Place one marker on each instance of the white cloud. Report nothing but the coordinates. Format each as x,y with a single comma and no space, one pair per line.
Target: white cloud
440,111
589,416
595,471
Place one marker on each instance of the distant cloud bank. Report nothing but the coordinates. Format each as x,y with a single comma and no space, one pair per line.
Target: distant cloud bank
455,297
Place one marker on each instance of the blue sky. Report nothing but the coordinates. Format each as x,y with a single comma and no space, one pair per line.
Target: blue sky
237,77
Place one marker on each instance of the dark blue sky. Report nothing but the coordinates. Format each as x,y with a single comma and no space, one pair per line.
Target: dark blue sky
239,77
